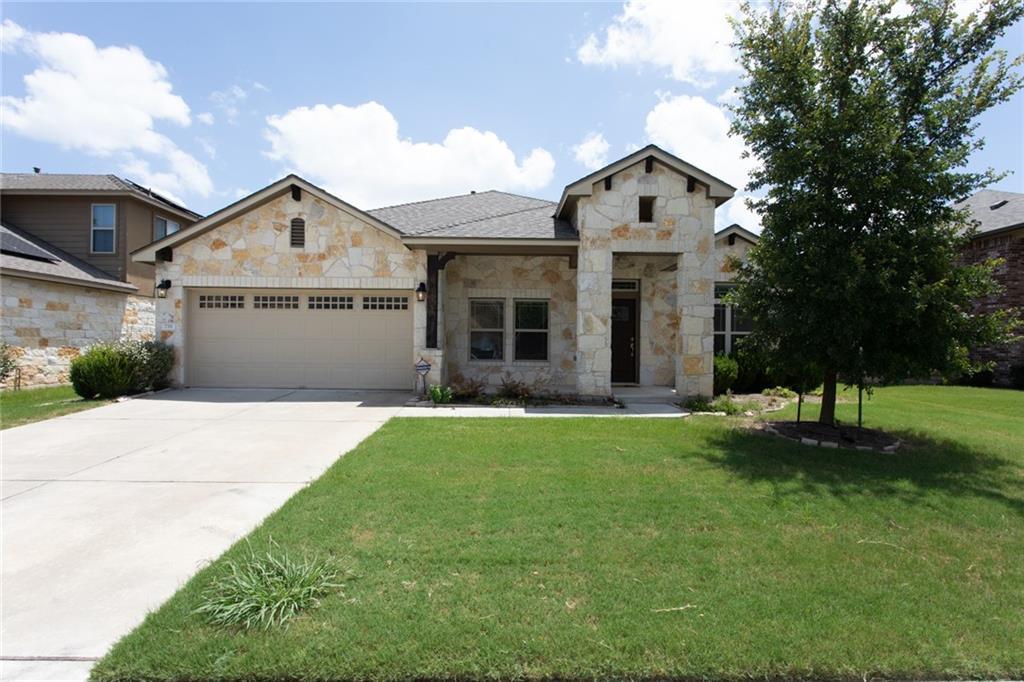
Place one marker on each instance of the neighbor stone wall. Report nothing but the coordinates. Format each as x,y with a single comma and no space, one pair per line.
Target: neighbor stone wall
48,324
1010,276
727,255
510,278
341,252
683,225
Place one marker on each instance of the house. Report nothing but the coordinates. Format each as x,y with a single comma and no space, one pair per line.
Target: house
999,221
66,277
732,245
293,287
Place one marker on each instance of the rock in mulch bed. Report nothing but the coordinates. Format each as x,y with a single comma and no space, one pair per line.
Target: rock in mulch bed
813,433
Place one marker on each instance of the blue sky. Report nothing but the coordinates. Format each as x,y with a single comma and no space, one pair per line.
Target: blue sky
217,100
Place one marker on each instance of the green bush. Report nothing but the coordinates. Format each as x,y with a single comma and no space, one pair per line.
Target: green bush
267,590
8,362
726,371
779,392
109,370
440,395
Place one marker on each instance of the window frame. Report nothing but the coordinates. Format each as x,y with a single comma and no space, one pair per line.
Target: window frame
489,330
729,334
93,229
516,330
167,222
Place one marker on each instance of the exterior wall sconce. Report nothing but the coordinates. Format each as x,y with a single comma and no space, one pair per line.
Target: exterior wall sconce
162,287
421,292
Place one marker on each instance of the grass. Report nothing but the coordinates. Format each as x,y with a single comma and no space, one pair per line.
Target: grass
606,548
35,404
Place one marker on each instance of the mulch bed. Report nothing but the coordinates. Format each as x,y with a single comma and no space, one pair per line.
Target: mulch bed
813,433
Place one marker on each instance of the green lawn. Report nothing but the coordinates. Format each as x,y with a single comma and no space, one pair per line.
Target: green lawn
35,404
643,548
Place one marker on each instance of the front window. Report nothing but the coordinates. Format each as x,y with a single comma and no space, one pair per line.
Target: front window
731,325
163,227
531,330
104,218
486,329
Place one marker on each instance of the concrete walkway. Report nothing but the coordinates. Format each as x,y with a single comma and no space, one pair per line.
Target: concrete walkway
105,513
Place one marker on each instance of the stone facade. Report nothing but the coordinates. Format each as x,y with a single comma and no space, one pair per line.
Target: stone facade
509,278
659,315
726,255
253,250
48,324
1010,275
683,226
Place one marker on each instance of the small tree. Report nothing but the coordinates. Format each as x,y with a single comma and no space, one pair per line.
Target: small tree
862,120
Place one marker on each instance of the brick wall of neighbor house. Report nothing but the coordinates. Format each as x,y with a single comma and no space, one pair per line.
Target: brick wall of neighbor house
608,222
253,250
508,278
1010,274
48,324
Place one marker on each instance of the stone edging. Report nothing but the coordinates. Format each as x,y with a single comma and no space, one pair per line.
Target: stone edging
888,449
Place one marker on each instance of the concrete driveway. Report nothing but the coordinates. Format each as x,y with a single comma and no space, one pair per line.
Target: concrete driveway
105,513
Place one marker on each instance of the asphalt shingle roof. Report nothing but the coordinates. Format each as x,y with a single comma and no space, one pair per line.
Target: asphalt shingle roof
995,210
82,182
24,252
489,215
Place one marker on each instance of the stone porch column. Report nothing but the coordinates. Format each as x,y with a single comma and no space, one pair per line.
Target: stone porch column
593,317
695,340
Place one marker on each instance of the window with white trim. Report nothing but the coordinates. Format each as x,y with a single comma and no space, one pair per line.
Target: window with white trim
163,227
730,323
102,236
531,329
275,302
486,329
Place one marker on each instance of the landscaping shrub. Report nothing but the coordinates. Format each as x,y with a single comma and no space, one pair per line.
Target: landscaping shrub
779,392
467,390
8,361
726,371
514,389
439,395
980,379
109,370
267,589
1017,377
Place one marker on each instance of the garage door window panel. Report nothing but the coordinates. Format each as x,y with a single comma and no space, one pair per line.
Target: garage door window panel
222,301
275,302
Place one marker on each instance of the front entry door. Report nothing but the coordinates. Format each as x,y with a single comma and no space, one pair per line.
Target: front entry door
624,340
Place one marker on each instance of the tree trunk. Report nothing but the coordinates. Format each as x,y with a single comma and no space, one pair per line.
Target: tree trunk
828,399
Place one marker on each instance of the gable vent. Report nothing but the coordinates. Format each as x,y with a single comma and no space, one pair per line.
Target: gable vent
298,235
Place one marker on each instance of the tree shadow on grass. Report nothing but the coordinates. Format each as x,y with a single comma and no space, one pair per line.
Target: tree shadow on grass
922,468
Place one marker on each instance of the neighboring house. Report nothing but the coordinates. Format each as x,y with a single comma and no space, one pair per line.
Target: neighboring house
66,278
999,219
731,246
293,287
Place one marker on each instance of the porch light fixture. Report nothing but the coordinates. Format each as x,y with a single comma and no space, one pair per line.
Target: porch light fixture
421,292
161,289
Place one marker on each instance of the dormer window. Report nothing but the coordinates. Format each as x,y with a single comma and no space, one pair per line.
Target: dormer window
298,234
647,209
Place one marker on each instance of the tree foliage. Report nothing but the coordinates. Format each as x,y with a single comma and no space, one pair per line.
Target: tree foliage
862,119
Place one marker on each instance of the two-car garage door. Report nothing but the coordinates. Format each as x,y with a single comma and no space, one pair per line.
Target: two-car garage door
299,338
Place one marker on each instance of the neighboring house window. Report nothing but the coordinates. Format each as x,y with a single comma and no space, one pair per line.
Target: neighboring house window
104,218
298,237
730,323
163,227
486,329
647,209
531,330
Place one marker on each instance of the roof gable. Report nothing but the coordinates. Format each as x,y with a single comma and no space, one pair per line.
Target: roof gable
995,210
739,231
718,190
148,253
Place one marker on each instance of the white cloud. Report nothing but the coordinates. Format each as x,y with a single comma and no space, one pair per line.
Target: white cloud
208,147
730,96
691,40
592,152
228,100
736,211
358,154
206,118
101,101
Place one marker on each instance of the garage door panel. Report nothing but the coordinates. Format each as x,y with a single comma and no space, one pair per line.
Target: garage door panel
305,347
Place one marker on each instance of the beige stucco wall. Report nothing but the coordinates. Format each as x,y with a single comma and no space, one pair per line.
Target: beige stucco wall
683,226
253,250
49,324
509,278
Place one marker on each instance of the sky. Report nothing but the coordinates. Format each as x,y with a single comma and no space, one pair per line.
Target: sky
388,103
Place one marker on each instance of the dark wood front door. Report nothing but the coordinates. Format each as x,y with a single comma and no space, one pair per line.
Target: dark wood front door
624,340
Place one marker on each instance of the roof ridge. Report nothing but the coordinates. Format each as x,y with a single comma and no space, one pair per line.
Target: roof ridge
477,220
427,201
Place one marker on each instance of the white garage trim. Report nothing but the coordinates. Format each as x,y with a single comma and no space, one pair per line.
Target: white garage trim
299,338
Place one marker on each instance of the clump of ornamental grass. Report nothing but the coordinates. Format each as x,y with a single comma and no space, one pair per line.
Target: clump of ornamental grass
268,589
